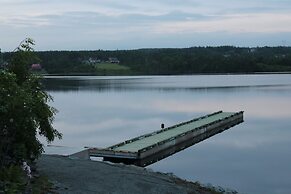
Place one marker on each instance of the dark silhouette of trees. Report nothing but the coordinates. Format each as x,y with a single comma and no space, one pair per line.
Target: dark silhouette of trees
168,61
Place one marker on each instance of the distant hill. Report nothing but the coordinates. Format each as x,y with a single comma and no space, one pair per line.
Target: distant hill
167,61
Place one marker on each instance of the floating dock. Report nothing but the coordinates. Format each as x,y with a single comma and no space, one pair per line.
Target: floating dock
150,148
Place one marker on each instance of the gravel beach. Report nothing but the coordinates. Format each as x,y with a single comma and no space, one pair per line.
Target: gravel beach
85,176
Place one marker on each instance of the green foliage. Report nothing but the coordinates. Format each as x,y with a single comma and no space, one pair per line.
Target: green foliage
41,184
225,59
26,45
111,69
24,111
111,66
24,114
12,180
22,59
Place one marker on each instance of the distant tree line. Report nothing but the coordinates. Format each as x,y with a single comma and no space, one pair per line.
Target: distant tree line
167,61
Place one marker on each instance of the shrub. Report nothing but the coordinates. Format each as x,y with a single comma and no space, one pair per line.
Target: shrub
24,114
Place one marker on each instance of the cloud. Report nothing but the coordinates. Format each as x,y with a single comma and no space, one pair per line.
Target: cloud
243,23
112,24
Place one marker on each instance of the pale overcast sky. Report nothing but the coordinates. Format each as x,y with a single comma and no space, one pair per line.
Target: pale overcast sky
130,24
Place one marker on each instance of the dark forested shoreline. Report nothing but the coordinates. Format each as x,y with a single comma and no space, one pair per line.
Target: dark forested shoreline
165,61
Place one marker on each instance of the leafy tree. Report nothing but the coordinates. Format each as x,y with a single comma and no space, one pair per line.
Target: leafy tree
24,110
22,59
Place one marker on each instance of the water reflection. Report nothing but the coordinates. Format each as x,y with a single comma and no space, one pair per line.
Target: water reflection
252,157
199,83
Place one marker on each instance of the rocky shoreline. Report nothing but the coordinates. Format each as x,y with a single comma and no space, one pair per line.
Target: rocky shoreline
85,176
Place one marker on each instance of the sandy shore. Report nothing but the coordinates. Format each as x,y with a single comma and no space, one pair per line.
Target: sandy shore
85,176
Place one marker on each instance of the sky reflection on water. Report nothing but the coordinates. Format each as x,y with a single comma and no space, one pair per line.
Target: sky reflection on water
253,157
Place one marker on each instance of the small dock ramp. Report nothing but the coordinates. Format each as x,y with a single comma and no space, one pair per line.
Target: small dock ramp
150,148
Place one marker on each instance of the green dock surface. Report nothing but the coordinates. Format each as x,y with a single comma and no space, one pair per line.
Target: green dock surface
142,143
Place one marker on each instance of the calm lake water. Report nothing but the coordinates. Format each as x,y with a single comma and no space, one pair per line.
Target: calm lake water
253,157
